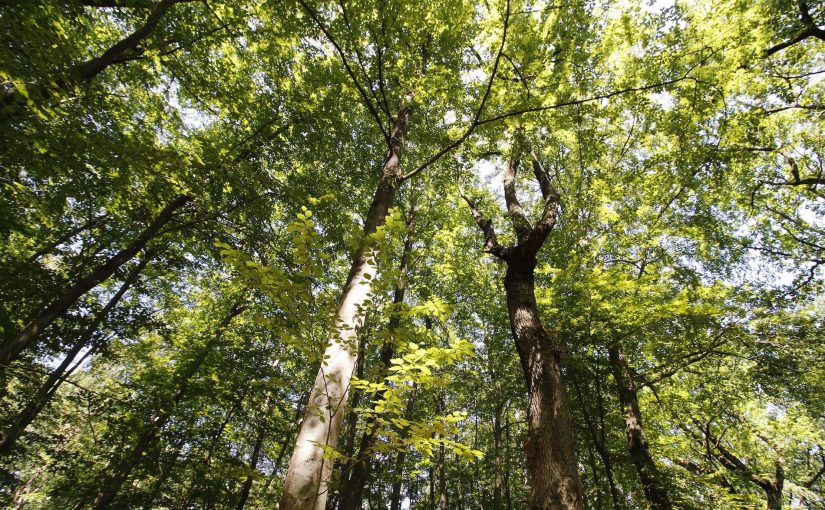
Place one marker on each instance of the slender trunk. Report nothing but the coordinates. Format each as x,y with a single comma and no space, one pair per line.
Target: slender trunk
550,447
253,465
309,471
58,375
508,499
497,480
442,466
13,349
64,238
599,446
654,488
398,472
123,467
353,490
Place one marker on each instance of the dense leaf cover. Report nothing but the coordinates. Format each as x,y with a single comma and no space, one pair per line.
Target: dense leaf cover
189,187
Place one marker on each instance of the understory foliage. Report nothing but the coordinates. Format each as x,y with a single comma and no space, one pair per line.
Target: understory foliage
185,186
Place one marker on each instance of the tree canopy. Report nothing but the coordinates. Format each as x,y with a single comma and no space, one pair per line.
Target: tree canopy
317,255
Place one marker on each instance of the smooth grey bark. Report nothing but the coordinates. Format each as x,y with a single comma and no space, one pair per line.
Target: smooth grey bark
52,383
122,468
353,489
12,350
309,472
550,448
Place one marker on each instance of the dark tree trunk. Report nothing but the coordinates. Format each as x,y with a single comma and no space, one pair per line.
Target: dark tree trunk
13,349
497,482
123,467
654,489
58,375
124,50
550,447
253,465
398,472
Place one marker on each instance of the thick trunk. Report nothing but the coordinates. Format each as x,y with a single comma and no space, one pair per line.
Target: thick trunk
308,471
550,447
654,489
59,374
353,490
123,467
13,349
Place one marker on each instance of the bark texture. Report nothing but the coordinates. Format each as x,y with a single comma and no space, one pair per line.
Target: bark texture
13,349
308,472
654,488
550,448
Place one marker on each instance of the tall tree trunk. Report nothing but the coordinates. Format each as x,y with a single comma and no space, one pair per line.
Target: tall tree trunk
599,444
497,474
550,447
309,471
401,458
253,465
654,489
353,490
123,467
58,375
13,349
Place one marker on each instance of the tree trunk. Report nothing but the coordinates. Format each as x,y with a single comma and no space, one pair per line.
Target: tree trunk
124,49
58,375
253,465
497,482
353,490
123,467
654,489
550,447
395,499
309,471
13,349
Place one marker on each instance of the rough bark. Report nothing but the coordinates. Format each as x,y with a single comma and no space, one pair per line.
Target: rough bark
13,349
654,488
58,375
550,448
308,471
122,468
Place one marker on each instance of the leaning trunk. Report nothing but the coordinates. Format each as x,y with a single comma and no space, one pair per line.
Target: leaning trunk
309,471
353,490
123,468
59,374
654,489
13,349
550,446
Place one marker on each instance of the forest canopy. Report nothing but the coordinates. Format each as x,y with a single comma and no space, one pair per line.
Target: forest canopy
333,255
